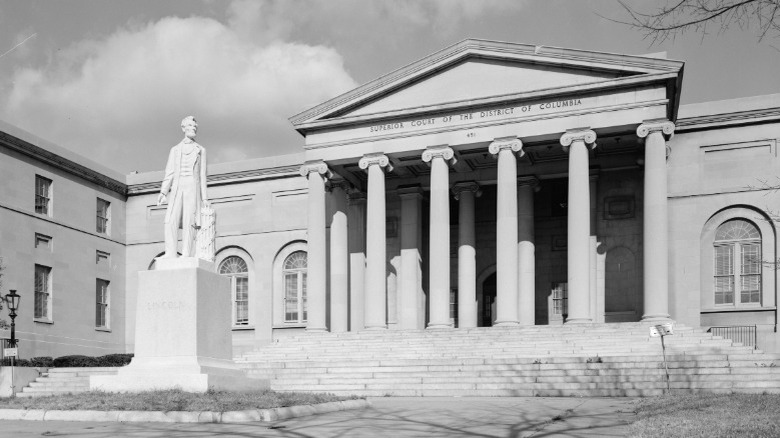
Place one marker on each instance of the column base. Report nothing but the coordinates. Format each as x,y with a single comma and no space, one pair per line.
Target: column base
579,321
656,318
316,330
506,324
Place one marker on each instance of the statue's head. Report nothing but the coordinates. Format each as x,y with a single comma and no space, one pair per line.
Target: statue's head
189,126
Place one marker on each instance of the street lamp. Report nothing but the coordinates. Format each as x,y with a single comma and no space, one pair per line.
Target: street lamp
12,298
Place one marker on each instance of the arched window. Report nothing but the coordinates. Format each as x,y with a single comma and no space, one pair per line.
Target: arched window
235,268
738,263
294,274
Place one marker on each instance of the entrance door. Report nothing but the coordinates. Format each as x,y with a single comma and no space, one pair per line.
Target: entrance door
487,311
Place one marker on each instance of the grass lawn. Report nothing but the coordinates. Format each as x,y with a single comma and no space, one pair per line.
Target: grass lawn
707,415
169,400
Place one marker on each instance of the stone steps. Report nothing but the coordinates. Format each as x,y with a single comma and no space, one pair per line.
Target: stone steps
593,360
63,381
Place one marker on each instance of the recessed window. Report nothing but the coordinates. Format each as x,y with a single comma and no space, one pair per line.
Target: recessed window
42,292
103,216
43,241
294,274
101,303
235,268
42,195
738,262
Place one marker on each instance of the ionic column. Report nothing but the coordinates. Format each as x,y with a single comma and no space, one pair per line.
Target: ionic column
339,262
357,259
526,250
439,158
506,229
465,193
316,172
656,256
577,143
376,244
410,278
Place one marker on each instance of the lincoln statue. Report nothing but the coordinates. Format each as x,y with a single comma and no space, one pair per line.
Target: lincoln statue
184,188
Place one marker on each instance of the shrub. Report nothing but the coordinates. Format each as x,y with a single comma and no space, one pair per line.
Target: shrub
42,362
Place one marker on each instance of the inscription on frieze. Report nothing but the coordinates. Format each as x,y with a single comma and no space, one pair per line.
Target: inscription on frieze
476,116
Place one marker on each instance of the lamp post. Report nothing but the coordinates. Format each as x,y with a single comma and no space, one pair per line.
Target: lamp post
12,298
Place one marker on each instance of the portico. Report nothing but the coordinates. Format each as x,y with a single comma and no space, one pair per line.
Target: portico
527,162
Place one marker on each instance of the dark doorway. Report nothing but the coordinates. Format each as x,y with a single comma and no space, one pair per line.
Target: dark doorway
487,311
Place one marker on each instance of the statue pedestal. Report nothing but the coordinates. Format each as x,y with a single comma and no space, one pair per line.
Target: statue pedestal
182,333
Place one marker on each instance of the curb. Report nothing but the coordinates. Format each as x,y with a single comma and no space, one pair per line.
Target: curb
251,415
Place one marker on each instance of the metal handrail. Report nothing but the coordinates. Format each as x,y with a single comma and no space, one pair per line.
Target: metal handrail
745,334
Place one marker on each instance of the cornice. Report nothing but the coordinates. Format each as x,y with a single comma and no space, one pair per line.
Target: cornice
226,178
54,160
764,115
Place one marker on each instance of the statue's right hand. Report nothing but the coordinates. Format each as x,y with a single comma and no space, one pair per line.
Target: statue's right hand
161,199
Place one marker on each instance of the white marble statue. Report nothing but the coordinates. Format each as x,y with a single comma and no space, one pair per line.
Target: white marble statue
184,188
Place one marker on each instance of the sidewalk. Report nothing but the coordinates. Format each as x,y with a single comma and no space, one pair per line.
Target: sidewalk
388,417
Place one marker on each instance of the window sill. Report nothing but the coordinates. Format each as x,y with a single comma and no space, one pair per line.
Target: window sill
738,309
103,329
43,320
290,326
238,328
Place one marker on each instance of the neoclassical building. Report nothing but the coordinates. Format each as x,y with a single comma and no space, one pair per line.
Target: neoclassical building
489,184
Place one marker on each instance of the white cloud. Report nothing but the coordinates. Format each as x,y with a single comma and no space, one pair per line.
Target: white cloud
119,100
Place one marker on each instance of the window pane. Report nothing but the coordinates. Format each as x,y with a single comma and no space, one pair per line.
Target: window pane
724,290
296,260
233,265
751,288
751,258
724,260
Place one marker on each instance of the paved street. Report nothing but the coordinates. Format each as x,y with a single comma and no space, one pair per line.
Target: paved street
388,417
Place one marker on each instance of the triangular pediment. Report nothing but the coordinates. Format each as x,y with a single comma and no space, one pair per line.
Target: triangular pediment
478,78
475,72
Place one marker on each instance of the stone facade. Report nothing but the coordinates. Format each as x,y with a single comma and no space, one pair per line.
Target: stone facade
461,191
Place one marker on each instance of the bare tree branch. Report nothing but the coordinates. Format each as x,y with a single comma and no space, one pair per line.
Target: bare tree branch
681,16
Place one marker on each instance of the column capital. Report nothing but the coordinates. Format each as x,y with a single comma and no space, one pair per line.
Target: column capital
665,127
587,136
466,186
442,151
514,144
379,159
318,166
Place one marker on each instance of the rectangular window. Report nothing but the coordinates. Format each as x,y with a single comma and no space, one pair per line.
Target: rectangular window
42,195
101,303
242,300
42,292
560,298
42,241
103,216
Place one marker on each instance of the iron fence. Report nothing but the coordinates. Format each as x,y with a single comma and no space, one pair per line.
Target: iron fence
745,334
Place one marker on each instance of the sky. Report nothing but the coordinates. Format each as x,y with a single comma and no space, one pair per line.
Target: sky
112,79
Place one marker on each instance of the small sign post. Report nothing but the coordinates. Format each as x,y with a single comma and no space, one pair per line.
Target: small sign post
11,352
662,330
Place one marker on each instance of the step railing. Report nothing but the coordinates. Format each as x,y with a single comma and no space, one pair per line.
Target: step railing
745,334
